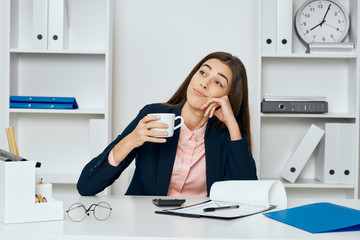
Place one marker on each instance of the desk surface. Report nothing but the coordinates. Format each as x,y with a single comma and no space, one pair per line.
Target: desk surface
134,218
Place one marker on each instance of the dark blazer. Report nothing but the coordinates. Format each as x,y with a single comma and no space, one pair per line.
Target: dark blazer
225,160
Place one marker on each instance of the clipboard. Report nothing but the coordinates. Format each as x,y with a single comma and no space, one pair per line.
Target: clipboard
197,210
249,197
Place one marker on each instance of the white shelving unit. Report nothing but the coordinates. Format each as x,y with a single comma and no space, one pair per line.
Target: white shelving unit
335,76
62,140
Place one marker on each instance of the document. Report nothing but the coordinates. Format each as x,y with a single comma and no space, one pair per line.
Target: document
319,217
235,199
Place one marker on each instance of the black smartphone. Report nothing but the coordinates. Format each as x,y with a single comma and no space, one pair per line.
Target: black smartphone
168,202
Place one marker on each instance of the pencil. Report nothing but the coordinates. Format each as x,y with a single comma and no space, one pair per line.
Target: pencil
10,133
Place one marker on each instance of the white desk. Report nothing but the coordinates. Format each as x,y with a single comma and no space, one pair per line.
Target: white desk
134,218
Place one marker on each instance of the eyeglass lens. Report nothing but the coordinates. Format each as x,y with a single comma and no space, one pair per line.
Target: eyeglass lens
77,212
102,211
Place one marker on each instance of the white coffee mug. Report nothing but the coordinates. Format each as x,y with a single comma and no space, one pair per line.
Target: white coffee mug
169,119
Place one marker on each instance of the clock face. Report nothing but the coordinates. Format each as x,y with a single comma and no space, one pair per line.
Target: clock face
322,21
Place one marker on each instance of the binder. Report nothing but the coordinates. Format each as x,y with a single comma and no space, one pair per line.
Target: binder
41,105
319,217
268,26
57,24
284,26
43,102
40,20
327,164
294,107
347,153
298,159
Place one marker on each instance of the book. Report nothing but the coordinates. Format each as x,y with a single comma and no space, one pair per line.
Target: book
319,217
236,199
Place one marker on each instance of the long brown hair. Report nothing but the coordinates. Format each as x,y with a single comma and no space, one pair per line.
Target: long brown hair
238,94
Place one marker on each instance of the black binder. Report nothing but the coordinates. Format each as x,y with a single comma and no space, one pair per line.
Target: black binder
294,106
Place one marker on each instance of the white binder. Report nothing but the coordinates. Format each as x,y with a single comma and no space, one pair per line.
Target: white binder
57,25
268,26
298,159
347,153
327,165
40,21
284,26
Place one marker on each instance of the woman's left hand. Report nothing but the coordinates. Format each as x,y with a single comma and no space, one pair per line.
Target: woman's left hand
219,107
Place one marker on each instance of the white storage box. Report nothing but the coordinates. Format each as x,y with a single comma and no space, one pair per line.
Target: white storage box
17,195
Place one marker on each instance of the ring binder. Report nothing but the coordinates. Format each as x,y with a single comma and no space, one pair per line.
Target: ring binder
43,102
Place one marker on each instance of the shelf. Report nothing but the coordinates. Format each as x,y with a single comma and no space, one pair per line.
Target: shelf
313,183
63,178
307,55
47,51
59,111
325,115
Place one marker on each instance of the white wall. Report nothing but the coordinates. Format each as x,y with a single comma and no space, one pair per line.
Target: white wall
157,43
3,56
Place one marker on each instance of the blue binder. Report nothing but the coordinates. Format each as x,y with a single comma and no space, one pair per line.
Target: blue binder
319,217
43,102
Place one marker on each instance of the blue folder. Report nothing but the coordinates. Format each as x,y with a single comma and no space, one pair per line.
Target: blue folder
43,102
319,217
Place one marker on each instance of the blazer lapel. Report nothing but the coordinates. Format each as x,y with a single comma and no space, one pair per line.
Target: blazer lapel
166,159
212,155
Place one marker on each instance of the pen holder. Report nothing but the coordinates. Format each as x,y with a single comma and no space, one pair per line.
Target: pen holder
17,195
44,189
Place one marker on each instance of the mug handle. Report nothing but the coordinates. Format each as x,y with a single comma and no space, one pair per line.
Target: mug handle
181,122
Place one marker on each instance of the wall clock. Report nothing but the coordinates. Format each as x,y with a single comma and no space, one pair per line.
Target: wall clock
322,21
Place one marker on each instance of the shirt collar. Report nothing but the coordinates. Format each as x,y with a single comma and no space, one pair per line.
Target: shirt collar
186,134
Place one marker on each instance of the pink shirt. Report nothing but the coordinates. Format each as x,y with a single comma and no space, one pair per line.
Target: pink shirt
188,177
189,171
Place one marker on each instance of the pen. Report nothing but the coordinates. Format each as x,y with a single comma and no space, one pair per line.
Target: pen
213,209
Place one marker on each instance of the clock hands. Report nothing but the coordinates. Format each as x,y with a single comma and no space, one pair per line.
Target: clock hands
332,26
320,24
326,13
323,21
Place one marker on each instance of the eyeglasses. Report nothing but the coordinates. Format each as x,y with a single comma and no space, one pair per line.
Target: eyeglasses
77,212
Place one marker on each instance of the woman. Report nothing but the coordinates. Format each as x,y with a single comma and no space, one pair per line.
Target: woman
212,145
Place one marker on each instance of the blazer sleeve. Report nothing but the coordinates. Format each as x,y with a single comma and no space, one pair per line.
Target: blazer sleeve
98,173
240,162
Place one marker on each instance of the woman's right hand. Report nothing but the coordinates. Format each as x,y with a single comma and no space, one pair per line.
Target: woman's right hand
144,133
